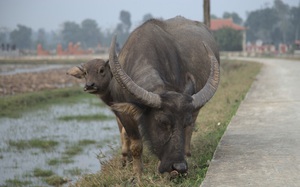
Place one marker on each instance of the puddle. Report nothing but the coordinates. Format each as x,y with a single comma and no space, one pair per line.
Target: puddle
45,125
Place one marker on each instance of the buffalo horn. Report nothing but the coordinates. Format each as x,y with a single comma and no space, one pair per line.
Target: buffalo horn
145,97
209,89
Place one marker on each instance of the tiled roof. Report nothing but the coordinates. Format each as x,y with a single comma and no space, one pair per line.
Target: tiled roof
216,24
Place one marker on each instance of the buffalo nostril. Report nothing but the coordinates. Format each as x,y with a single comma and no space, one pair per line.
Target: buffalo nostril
89,85
180,167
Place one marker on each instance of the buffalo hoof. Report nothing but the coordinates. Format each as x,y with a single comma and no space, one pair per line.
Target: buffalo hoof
175,174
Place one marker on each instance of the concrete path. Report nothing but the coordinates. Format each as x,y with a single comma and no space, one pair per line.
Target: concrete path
261,146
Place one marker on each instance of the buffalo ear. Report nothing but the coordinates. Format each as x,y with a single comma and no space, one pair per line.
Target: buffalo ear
76,72
129,109
190,87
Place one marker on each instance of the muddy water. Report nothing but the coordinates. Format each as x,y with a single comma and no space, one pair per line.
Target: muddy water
44,124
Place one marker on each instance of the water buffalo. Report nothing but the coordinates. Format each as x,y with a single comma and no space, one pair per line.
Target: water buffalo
165,72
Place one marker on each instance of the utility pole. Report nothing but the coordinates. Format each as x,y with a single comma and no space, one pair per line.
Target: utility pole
206,11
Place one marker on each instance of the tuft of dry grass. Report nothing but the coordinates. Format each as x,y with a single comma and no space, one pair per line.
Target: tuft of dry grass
236,79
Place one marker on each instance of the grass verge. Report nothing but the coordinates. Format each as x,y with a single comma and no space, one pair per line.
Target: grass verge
70,151
236,79
34,143
38,172
44,61
99,117
13,106
49,177
16,182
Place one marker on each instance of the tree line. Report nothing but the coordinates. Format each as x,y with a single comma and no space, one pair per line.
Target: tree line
87,33
278,23
275,24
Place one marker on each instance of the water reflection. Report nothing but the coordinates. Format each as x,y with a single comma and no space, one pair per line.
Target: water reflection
45,125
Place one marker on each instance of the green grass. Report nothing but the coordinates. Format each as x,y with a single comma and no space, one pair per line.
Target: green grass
55,180
77,148
70,151
16,183
49,177
59,161
45,145
236,79
73,150
92,117
74,172
37,172
14,106
86,142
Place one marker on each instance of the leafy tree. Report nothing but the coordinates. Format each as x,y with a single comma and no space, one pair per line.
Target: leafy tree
90,33
147,17
122,29
284,23
229,39
235,17
3,35
21,37
294,18
71,33
53,38
260,24
125,19
212,16
41,37
276,24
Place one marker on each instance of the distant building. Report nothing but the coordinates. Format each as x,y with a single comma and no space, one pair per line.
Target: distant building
217,24
297,47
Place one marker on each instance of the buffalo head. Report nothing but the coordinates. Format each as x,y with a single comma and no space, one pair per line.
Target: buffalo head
97,75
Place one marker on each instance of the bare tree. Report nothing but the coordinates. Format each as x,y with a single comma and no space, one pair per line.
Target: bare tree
206,11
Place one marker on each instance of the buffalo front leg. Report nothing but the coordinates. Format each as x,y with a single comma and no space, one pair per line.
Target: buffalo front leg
136,148
128,115
132,142
188,135
132,147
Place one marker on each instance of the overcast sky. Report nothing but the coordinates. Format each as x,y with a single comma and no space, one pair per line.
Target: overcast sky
50,14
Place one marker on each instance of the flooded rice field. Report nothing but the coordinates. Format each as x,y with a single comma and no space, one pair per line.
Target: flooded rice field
53,140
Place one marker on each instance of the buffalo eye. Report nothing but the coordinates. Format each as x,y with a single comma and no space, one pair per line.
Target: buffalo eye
101,71
84,73
165,123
